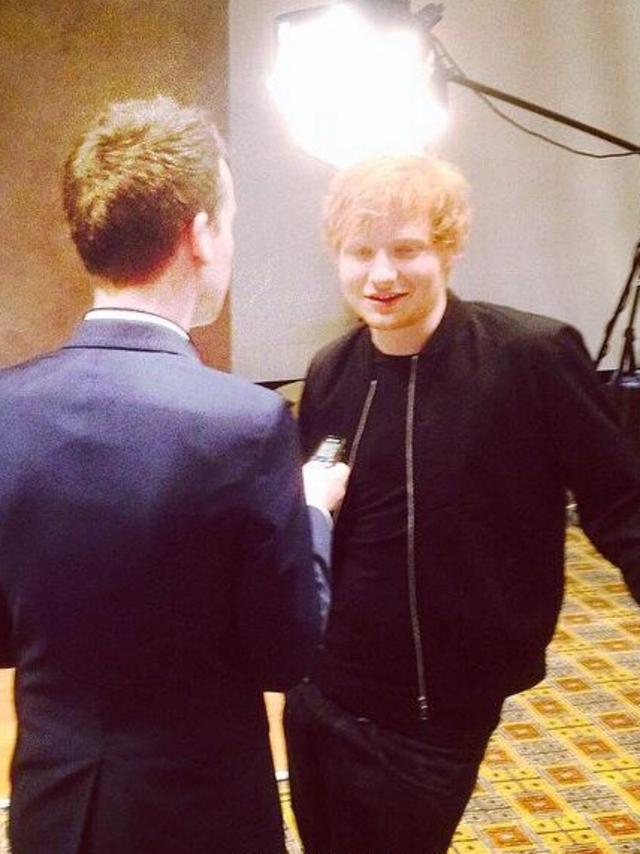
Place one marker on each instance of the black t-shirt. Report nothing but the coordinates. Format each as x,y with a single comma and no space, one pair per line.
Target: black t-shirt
368,663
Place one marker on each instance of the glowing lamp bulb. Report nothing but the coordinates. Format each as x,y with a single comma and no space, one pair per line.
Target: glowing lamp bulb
349,89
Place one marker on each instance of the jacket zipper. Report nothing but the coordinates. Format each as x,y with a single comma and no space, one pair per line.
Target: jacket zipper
411,543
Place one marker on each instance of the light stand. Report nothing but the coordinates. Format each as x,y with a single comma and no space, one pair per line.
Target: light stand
628,358
452,75
629,335
624,383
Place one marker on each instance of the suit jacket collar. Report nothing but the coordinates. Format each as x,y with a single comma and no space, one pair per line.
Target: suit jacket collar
129,335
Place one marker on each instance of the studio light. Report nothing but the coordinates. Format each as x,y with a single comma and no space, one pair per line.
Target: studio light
355,80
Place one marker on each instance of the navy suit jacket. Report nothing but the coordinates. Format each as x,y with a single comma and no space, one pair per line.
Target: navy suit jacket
155,577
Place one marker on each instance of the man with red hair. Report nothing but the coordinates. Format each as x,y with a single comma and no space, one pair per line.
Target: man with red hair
465,424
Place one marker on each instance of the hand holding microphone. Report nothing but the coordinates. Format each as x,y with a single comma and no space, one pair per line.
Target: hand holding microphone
325,476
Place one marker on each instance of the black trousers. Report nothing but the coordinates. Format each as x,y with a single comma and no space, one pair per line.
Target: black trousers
357,788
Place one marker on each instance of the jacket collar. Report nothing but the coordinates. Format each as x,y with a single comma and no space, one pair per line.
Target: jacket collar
129,335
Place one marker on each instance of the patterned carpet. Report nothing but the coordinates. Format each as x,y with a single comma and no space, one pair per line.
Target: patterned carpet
562,773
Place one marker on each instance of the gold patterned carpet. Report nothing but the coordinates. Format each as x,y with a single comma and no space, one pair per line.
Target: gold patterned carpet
562,773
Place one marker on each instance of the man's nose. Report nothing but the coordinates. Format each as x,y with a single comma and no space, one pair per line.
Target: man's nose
382,270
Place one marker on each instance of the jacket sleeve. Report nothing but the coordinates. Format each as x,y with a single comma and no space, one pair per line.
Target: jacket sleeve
598,462
321,543
279,590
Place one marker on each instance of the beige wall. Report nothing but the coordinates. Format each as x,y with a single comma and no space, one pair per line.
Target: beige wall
60,62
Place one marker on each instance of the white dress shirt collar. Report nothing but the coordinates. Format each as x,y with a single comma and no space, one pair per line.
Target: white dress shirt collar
135,315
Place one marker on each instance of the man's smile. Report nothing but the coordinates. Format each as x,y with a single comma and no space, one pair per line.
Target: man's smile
386,299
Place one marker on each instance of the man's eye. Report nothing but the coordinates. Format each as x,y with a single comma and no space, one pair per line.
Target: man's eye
405,250
364,253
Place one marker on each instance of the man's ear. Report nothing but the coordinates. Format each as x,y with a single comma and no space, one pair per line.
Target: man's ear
201,236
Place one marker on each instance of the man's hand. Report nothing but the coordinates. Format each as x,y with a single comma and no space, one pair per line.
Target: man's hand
324,486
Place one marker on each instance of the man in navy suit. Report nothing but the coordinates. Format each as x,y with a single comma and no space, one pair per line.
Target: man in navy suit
156,570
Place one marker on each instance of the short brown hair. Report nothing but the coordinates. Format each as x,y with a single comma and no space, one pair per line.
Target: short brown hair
411,187
139,173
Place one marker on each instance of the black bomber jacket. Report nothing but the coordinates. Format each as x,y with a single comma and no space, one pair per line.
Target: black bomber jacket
509,415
